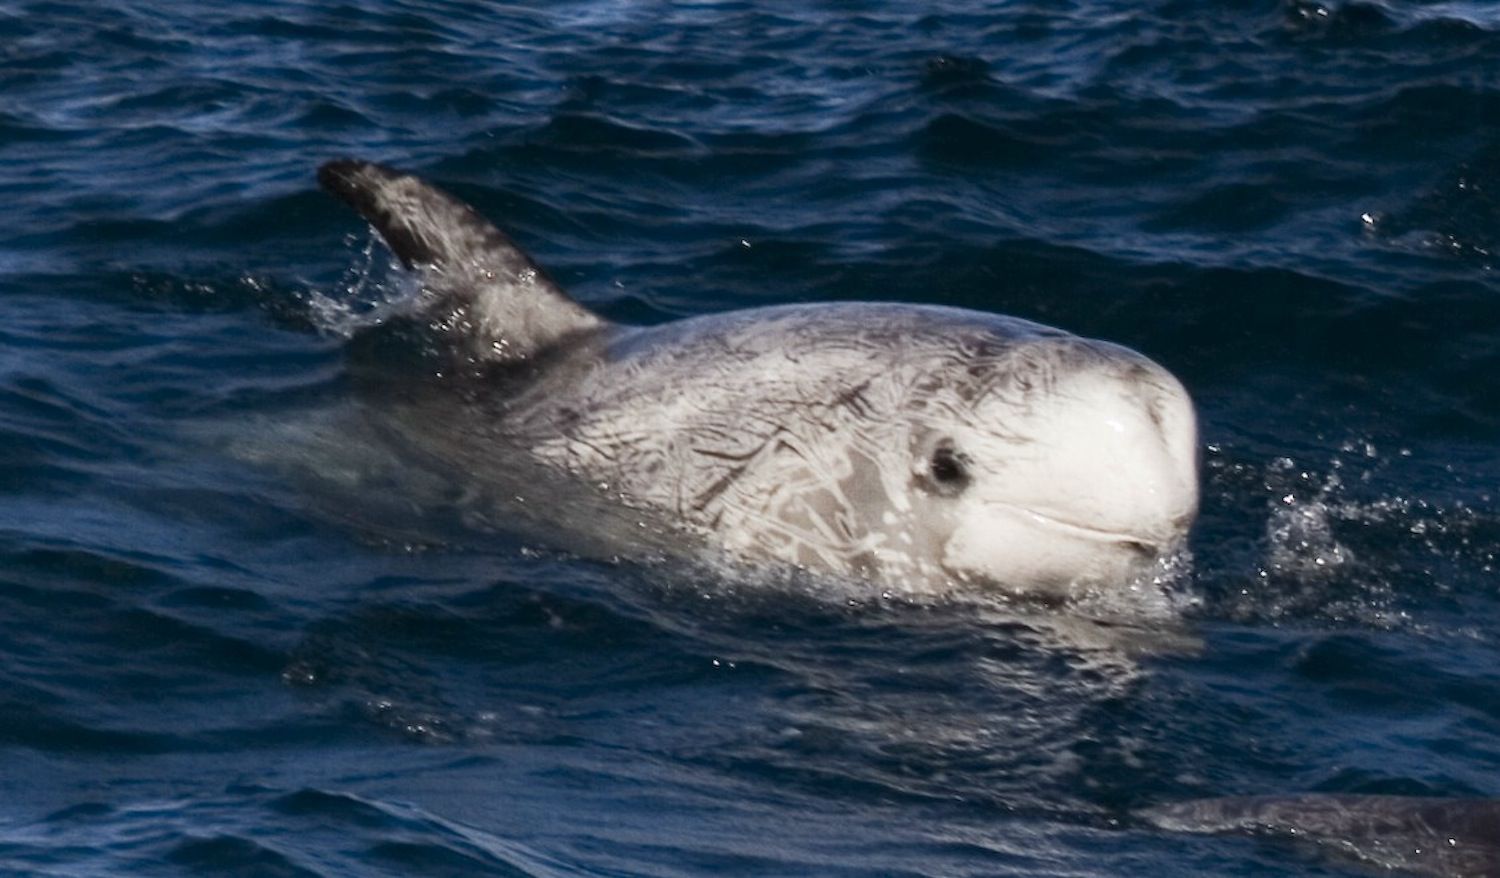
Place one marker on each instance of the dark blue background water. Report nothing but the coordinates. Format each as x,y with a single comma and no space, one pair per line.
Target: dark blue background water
1293,206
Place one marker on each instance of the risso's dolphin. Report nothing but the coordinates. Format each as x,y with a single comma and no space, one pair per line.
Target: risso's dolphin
1416,835
917,448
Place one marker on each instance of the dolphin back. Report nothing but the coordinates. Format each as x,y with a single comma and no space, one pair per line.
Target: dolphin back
1442,838
498,303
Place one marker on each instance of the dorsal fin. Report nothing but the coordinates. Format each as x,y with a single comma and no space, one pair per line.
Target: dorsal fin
506,307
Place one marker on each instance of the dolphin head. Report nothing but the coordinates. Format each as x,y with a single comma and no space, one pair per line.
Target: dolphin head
1056,464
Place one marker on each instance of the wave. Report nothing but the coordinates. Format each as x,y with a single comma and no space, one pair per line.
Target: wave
262,831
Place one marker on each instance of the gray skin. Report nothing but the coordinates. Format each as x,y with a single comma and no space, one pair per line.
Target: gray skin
916,448
1442,838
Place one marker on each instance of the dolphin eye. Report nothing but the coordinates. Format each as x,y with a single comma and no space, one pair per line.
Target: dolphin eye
948,470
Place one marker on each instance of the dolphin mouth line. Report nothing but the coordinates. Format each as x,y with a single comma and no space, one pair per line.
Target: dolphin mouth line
1126,539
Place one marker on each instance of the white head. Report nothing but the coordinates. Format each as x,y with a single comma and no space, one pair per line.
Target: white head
1057,463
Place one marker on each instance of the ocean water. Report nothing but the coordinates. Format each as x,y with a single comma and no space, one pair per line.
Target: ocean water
234,643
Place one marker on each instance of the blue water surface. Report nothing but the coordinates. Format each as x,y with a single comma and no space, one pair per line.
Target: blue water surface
211,666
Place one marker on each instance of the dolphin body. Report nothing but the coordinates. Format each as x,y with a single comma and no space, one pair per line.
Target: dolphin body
916,449
1417,835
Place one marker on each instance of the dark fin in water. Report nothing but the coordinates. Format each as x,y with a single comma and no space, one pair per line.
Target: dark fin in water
1424,836
483,290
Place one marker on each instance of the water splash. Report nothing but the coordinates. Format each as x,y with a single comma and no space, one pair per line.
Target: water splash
371,292
1331,552
1299,534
